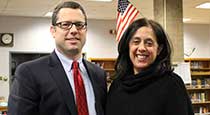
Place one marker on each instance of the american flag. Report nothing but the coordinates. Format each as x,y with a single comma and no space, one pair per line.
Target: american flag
126,14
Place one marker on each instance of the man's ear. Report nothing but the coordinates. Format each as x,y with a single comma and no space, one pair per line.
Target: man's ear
52,30
159,49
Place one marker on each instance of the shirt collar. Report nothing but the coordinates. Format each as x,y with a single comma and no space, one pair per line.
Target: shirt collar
66,62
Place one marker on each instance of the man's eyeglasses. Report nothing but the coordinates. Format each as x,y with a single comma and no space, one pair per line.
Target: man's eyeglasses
67,25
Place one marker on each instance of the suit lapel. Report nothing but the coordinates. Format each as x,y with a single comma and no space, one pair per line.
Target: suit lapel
96,88
59,76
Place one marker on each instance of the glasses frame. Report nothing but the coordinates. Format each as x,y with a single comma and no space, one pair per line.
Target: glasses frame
83,25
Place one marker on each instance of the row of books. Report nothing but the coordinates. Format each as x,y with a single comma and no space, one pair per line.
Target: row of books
198,97
199,65
99,64
200,83
202,111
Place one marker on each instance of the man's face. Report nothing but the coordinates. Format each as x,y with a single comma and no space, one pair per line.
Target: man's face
69,38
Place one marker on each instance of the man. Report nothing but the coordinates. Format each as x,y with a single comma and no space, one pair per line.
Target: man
48,86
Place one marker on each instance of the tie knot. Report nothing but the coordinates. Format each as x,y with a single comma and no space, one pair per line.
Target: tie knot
75,65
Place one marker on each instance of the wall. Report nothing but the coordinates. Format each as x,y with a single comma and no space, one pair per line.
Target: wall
33,35
197,36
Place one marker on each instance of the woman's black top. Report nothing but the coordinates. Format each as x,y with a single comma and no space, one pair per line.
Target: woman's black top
150,92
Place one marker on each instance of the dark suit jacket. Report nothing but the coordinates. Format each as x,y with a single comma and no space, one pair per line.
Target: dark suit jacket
41,87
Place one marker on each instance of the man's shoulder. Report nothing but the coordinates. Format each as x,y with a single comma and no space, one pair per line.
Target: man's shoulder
38,62
92,66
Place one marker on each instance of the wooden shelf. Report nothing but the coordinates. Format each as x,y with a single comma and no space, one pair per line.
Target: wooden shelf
107,64
200,103
102,59
202,113
204,88
197,59
200,73
109,69
200,69
199,90
3,108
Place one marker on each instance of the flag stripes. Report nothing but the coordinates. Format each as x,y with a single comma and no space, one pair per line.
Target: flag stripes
126,14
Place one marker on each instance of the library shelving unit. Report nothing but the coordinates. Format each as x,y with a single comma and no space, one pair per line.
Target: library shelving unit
3,106
199,89
3,110
107,64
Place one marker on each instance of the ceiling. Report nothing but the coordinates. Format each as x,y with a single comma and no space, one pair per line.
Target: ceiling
99,10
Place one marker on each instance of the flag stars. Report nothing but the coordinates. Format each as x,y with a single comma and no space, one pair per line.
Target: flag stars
123,4
125,15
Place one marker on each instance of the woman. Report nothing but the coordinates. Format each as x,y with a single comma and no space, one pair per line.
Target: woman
145,83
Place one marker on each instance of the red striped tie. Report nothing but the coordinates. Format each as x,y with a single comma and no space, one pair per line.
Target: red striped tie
81,100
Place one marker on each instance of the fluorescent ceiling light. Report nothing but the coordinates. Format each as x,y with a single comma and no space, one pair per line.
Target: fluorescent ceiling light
204,5
186,19
100,0
48,14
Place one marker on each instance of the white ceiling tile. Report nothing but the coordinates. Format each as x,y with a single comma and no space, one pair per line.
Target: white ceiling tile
98,10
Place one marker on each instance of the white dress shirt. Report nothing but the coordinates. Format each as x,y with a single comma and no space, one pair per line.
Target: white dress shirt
67,65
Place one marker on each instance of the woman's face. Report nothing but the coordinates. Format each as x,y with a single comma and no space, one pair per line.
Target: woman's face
143,48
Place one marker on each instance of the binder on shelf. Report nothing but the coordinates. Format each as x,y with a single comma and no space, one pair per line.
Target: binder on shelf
183,70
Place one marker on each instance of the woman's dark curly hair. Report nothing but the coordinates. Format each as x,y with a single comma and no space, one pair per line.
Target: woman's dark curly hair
124,65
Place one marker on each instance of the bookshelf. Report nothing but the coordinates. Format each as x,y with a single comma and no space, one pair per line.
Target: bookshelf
199,89
107,64
3,110
3,105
